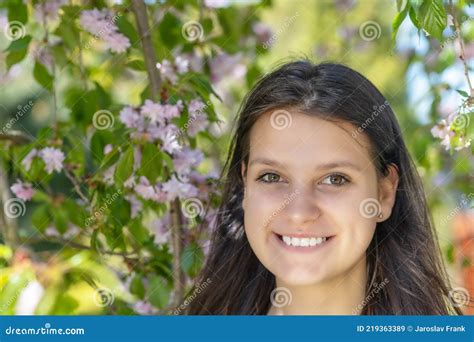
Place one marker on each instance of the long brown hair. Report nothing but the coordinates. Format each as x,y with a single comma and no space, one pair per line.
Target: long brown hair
404,254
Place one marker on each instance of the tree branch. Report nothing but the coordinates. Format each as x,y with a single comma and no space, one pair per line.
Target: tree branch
139,9
461,46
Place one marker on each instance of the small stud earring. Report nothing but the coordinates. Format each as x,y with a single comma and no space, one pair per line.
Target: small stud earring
380,215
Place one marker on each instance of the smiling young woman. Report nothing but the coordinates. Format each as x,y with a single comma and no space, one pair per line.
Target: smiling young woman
321,204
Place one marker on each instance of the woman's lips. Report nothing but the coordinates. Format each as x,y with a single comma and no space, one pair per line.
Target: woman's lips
303,243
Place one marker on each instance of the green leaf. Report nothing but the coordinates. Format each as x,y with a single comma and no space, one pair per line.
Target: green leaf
18,12
60,217
137,65
128,30
136,287
151,163
170,30
462,93
433,18
397,21
42,76
19,44
41,217
158,292
124,167
192,259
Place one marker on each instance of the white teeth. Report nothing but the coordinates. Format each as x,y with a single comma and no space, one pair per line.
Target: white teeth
303,242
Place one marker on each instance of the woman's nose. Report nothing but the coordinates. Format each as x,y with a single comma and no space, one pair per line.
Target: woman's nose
302,207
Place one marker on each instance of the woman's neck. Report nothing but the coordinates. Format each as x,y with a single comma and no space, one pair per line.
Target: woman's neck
342,295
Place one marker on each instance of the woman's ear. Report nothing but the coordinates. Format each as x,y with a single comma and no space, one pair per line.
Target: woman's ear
387,192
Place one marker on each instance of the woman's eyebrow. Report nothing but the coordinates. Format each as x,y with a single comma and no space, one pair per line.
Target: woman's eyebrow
325,166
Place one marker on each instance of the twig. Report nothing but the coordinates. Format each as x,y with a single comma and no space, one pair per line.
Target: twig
461,46
140,12
76,186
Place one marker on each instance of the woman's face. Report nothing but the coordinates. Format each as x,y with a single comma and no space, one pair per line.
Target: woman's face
312,197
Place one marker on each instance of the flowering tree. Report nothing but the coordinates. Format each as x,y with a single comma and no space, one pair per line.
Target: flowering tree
119,191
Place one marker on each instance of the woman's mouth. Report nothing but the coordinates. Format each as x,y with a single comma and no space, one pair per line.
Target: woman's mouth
306,243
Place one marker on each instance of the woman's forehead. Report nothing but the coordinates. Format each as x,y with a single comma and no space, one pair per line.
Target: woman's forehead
298,136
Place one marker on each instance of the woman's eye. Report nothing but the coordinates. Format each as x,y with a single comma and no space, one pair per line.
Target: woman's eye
335,179
269,178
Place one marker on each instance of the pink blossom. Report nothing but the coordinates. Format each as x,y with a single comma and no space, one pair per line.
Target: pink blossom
195,106
161,229
108,148
167,71
48,10
136,205
169,140
186,159
116,42
173,111
198,123
263,33
182,65
144,189
227,66
153,111
22,190
174,188
130,118
101,23
53,158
